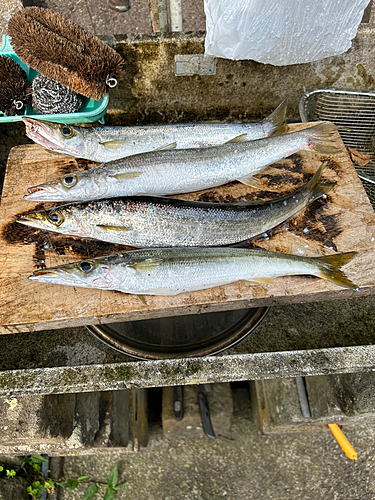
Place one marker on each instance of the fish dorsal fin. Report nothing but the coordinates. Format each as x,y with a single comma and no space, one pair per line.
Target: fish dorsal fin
172,145
249,180
146,265
115,144
126,175
239,138
113,228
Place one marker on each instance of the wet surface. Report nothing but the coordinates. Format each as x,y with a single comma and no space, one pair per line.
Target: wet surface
47,243
75,165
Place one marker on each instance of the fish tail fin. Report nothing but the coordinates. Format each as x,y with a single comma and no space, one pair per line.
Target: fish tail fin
275,122
319,138
316,188
331,269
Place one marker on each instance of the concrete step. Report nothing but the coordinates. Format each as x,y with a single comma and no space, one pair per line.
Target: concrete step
103,422
69,423
345,398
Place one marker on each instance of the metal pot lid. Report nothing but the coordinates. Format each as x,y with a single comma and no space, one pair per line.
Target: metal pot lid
180,336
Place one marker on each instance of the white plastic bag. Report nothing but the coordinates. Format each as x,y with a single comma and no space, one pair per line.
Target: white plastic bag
281,32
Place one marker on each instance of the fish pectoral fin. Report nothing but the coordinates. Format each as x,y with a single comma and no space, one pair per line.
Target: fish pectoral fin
114,228
239,138
251,181
146,265
126,175
142,298
116,144
172,145
265,281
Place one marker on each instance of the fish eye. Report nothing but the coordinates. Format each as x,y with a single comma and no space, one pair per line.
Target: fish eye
70,180
56,218
85,266
67,132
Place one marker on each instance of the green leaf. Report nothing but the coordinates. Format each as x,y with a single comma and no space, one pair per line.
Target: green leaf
1,468
70,483
37,459
49,484
119,486
91,491
82,478
109,493
113,476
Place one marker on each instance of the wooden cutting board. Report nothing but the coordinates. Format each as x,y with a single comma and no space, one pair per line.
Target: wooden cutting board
343,221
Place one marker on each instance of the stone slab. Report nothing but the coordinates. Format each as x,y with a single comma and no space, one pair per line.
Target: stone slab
345,398
345,394
65,423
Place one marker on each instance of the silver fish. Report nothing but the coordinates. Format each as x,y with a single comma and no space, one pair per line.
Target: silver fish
170,271
184,170
166,222
103,144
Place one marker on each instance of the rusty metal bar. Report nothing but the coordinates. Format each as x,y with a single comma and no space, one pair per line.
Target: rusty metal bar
159,21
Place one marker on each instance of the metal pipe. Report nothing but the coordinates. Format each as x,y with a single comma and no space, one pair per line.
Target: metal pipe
302,394
44,471
175,11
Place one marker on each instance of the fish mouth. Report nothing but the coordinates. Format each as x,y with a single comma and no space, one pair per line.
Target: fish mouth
56,276
41,193
27,217
44,275
34,189
32,220
42,133
45,272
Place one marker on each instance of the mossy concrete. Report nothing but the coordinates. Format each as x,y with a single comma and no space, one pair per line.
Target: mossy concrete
151,93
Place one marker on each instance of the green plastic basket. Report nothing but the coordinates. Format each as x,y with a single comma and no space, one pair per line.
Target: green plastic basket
90,111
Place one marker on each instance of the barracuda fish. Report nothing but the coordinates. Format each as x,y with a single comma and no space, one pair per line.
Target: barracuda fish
170,271
166,222
103,144
184,170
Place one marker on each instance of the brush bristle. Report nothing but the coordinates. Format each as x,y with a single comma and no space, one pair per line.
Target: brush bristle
63,51
15,89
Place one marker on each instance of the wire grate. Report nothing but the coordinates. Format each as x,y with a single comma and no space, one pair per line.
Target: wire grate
354,113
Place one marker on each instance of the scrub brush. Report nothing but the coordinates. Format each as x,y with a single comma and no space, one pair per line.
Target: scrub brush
65,52
15,89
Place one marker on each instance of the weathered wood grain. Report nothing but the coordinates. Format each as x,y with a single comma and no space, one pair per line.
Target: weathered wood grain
343,221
